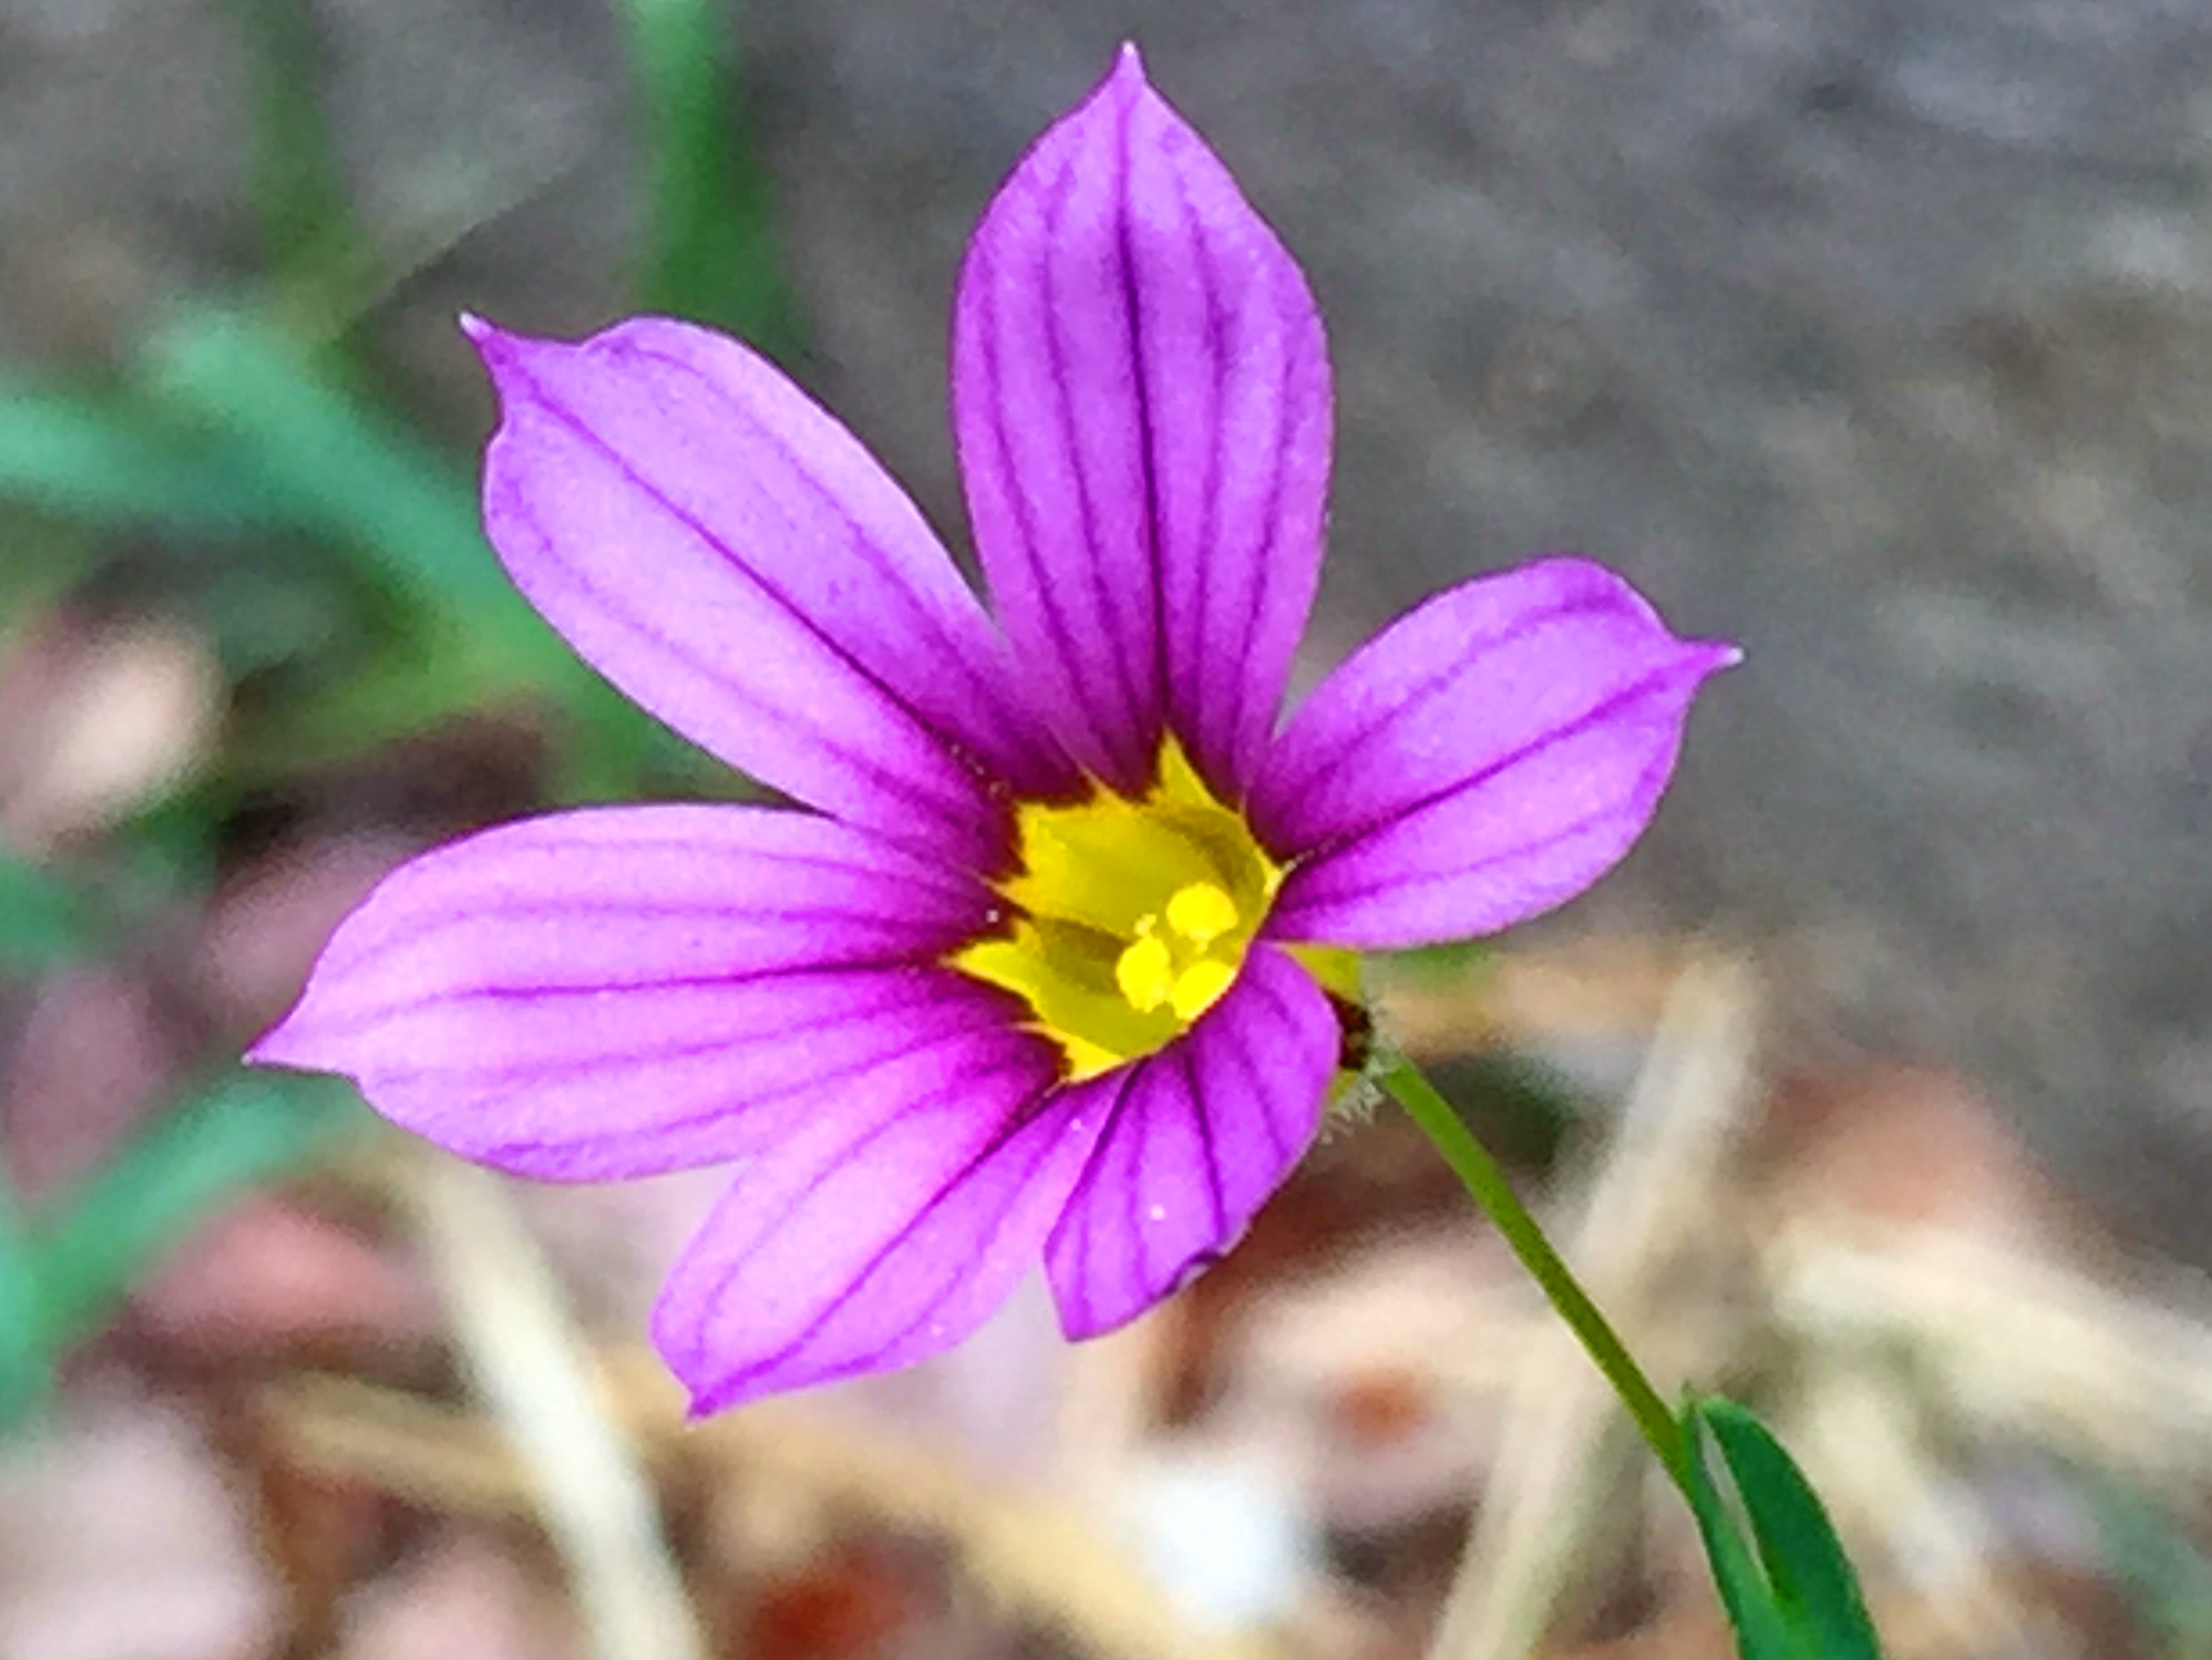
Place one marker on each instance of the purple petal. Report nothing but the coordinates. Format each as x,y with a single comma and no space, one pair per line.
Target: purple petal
627,990
1141,395
1488,755
1196,1139
882,1230
732,559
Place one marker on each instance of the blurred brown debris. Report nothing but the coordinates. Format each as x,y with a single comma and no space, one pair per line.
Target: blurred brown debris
101,719
410,1394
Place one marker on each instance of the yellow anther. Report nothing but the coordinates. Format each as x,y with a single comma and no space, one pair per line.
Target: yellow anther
1201,913
1146,973
1199,987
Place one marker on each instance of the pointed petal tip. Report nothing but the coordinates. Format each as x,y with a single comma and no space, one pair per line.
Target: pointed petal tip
709,1391
278,1046
1697,661
288,1046
492,342
498,348
1124,84
707,1403
1702,657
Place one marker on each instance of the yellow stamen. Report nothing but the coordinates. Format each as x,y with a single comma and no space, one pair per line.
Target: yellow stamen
1201,913
1200,987
1146,973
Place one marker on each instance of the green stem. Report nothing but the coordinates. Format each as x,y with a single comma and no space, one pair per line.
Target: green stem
1472,1163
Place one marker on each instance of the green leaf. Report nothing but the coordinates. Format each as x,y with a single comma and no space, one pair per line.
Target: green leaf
311,239
358,481
26,1361
42,921
343,470
711,250
1813,1579
364,485
1454,962
244,1128
1762,1630
1794,1597
109,461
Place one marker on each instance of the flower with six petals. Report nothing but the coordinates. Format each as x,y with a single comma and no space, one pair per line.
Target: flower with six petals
1053,956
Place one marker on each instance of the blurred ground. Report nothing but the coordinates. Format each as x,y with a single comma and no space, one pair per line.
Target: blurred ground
397,1408
1876,335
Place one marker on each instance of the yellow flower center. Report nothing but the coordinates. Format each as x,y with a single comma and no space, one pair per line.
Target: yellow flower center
1132,917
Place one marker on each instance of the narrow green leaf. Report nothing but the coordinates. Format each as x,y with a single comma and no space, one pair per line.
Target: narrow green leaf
311,239
108,461
347,472
1763,1630
1789,1591
365,483
42,922
245,1128
361,482
27,1362
1812,1580
711,251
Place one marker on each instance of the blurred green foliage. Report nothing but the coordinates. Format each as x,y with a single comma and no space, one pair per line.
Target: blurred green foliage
61,1281
43,923
310,242
712,253
324,545
2156,1559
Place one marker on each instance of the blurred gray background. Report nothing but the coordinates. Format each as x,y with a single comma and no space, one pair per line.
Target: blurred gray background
1875,336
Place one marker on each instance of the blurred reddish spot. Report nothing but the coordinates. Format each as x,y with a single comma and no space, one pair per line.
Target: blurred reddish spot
273,1278
324,1534
92,1057
1381,1408
848,1603
1908,1146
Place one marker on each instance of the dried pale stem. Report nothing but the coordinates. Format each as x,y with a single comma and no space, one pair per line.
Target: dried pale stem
1486,1184
1046,1561
531,1363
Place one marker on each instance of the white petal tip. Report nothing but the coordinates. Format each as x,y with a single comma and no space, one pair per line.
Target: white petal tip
277,1047
493,344
269,1049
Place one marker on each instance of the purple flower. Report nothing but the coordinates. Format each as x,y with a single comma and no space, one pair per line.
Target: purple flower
1055,955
